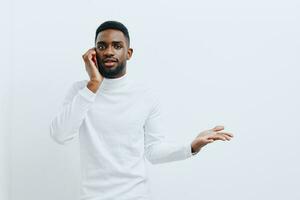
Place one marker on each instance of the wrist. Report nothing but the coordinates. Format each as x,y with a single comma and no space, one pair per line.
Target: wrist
194,150
95,80
93,85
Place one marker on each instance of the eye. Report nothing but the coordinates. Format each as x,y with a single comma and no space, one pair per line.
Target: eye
101,46
117,46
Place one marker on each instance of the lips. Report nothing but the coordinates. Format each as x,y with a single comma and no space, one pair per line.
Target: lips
110,62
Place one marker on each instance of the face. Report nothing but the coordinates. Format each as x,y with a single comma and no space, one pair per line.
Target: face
112,52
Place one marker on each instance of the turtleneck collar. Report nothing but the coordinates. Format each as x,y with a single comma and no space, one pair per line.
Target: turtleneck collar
114,83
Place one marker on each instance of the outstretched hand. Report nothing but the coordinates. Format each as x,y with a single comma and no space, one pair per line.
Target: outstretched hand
209,136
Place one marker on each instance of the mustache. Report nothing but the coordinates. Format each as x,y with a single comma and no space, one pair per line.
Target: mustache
109,59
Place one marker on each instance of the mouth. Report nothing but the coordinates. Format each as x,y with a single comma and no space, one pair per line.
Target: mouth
109,62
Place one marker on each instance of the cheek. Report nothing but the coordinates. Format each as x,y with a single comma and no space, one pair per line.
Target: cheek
122,56
99,56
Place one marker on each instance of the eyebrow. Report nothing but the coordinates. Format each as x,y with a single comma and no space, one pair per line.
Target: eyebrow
114,42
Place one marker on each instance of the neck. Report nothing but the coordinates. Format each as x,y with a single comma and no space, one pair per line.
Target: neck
119,75
114,83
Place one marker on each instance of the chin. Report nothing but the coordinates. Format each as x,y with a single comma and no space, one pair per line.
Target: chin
111,68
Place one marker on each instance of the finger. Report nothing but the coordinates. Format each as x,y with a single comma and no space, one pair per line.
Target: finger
94,60
229,134
91,55
227,137
210,140
87,55
87,52
91,52
226,133
218,128
217,137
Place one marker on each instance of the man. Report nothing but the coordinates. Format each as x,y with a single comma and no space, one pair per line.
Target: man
118,123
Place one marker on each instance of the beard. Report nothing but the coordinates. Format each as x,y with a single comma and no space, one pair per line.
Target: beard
108,72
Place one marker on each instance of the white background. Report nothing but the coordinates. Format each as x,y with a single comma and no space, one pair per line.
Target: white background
231,63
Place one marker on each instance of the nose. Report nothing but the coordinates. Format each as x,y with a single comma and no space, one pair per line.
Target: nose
109,51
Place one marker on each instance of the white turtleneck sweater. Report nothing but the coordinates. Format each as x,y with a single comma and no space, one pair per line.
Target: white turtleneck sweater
119,127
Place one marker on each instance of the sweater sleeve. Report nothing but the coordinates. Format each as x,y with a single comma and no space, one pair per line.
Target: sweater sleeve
157,148
65,125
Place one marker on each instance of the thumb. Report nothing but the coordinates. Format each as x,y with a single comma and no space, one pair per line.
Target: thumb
218,128
94,59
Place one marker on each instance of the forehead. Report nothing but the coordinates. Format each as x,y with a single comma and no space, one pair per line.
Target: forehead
110,35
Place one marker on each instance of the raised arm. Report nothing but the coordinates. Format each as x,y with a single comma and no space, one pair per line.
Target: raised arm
65,126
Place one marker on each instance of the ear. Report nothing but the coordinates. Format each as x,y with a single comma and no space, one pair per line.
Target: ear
129,53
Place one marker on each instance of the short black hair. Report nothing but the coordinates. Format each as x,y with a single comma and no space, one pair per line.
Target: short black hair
113,25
